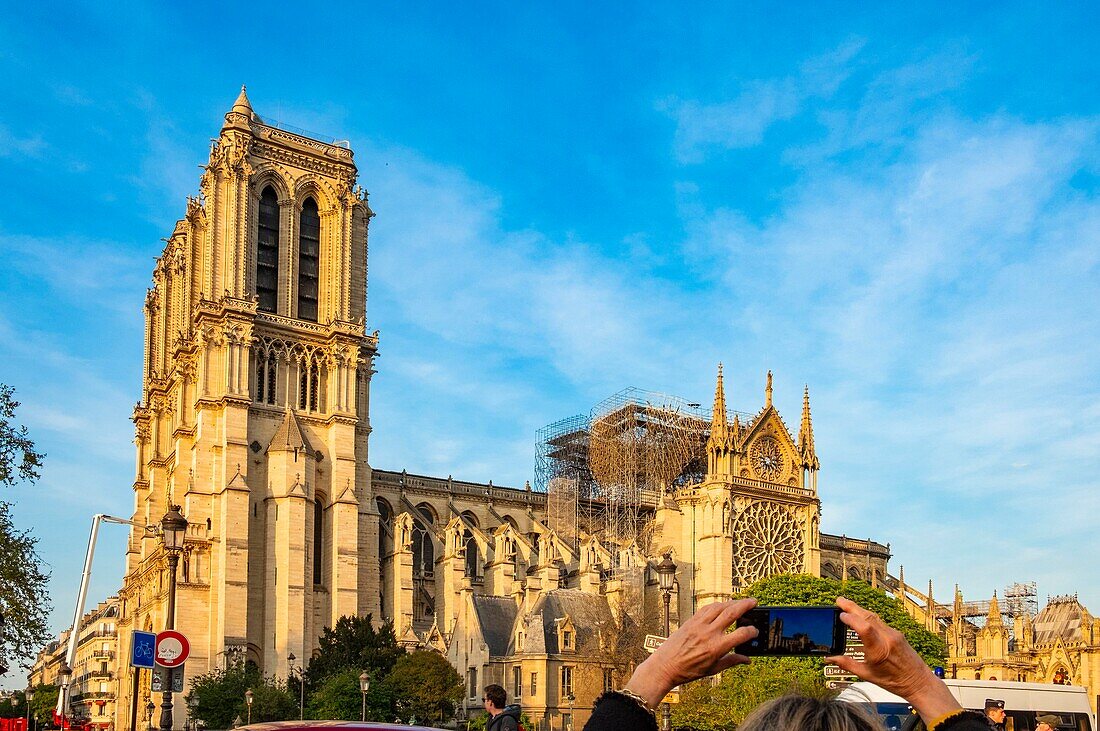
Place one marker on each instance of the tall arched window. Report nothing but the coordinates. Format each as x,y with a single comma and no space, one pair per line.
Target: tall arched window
423,548
318,539
385,526
266,372
267,252
309,253
473,560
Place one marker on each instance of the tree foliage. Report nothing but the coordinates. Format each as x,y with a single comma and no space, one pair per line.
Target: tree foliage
710,706
24,603
425,687
220,696
18,458
354,644
339,698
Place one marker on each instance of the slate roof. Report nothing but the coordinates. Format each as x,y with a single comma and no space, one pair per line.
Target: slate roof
587,611
1059,620
289,436
497,616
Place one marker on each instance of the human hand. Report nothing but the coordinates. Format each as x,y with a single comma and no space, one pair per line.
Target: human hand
700,647
890,663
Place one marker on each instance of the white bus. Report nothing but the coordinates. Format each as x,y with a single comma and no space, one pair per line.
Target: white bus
1023,702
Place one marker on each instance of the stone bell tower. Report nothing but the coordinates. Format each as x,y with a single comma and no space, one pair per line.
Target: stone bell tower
254,407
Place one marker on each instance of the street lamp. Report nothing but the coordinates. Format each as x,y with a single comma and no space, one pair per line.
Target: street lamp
173,529
666,576
64,676
572,718
149,708
28,694
248,702
300,674
364,685
192,706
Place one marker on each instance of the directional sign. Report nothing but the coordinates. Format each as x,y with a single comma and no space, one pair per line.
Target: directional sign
834,671
837,684
652,642
172,648
142,648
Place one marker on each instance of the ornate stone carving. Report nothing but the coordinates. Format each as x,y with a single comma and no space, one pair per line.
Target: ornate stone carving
770,542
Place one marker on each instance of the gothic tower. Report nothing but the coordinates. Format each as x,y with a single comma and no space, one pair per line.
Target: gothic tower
757,512
254,409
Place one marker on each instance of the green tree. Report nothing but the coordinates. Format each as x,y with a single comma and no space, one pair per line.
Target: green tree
14,706
425,687
354,644
24,603
708,706
339,698
220,696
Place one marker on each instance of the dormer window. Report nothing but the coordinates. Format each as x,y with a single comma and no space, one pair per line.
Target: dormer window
567,640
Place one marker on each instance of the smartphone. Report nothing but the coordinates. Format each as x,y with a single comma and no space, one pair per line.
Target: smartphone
793,631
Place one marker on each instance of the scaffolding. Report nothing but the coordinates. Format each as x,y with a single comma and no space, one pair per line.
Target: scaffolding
604,471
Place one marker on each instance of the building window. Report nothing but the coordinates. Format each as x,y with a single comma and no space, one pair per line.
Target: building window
567,722
608,680
566,681
517,681
473,682
309,385
423,548
318,538
534,683
309,254
267,369
567,639
267,252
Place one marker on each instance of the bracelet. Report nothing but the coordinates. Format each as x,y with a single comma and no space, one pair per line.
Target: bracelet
944,718
637,699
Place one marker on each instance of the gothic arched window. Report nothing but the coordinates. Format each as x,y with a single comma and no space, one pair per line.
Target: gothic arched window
385,526
318,538
423,548
309,254
266,371
267,252
473,560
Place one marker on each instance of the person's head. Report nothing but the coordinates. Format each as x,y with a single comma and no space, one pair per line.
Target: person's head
495,699
1047,722
995,710
797,712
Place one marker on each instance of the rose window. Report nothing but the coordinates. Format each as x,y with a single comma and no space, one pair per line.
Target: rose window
769,541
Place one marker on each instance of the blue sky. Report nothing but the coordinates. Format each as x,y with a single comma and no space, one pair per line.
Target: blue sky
896,205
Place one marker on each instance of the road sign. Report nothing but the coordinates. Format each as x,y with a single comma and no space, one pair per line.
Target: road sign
163,677
652,642
673,696
834,671
142,648
837,684
172,648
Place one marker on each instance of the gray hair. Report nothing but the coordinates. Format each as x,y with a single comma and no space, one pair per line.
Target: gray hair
805,713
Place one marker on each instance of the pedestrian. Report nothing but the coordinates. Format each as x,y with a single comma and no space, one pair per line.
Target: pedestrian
1047,722
503,717
995,712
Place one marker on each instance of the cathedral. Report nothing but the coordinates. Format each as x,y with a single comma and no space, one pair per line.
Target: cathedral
254,419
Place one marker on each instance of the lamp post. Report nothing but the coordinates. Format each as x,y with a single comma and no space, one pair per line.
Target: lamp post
64,676
364,685
173,529
149,708
666,575
192,706
28,694
301,675
572,718
248,702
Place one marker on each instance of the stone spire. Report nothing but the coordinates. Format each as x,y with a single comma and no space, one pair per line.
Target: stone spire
720,443
806,434
768,391
993,619
242,104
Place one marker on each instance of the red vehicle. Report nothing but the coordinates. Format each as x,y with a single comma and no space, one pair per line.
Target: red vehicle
332,726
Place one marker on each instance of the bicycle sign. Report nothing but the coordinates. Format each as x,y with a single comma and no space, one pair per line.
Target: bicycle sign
142,649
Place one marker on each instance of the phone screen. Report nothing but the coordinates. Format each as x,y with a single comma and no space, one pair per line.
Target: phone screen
794,631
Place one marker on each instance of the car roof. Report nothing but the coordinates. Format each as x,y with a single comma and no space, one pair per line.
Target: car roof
331,726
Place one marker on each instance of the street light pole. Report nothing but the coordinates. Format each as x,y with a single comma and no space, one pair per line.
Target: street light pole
173,530
301,675
28,695
666,575
364,685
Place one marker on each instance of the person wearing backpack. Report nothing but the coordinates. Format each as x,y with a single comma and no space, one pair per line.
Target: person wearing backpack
503,716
